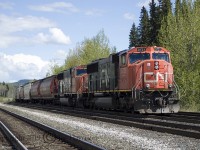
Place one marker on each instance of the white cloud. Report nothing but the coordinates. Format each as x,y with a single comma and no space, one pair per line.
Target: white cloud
6,5
55,36
21,66
17,30
60,7
94,12
145,3
129,16
11,24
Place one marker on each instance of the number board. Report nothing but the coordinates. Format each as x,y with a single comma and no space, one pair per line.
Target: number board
141,49
157,48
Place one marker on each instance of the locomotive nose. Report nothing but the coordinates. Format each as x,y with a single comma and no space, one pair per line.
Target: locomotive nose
158,74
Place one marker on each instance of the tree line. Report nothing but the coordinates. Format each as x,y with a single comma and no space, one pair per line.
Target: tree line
4,88
177,29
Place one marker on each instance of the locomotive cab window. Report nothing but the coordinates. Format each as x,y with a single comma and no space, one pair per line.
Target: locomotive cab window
123,59
138,56
80,72
162,56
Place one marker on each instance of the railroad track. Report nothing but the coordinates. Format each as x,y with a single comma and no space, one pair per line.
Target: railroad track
5,142
24,133
169,124
188,115
168,117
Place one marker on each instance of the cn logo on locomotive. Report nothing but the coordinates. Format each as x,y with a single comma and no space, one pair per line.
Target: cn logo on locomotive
157,76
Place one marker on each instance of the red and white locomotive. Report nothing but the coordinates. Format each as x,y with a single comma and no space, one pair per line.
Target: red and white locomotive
140,79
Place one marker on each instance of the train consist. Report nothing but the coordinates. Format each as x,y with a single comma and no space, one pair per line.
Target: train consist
140,79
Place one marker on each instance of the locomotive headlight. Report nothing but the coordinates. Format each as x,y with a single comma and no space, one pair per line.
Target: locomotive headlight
147,86
156,63
156,67
170,86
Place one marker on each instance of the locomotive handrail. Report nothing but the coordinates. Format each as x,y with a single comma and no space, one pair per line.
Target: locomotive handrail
136,85
177,89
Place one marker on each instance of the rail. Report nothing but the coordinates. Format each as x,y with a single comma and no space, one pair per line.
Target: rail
11,137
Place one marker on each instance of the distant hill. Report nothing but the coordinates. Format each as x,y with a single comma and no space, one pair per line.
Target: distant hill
21,82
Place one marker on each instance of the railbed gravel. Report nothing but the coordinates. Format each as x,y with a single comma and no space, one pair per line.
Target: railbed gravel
4,144
107,135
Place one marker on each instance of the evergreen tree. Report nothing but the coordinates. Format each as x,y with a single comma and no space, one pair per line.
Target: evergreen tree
165,7
154,23
144,28
184,8
177,7
133,36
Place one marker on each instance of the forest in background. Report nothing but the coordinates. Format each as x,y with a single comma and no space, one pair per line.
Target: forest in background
175,27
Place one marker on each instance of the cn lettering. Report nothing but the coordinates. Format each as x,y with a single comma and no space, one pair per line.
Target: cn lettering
157,76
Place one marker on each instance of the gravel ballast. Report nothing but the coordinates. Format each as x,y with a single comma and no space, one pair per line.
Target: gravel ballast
107,135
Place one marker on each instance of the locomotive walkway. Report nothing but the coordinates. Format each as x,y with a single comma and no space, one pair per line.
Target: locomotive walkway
173,124
27,134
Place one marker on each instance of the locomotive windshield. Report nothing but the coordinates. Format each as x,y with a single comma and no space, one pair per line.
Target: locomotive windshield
162,56
138,56
80,71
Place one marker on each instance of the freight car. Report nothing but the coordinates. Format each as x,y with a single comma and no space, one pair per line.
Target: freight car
44,90
17,91
48,88
140,79
27,88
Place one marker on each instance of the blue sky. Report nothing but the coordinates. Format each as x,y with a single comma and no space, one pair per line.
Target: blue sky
36,32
